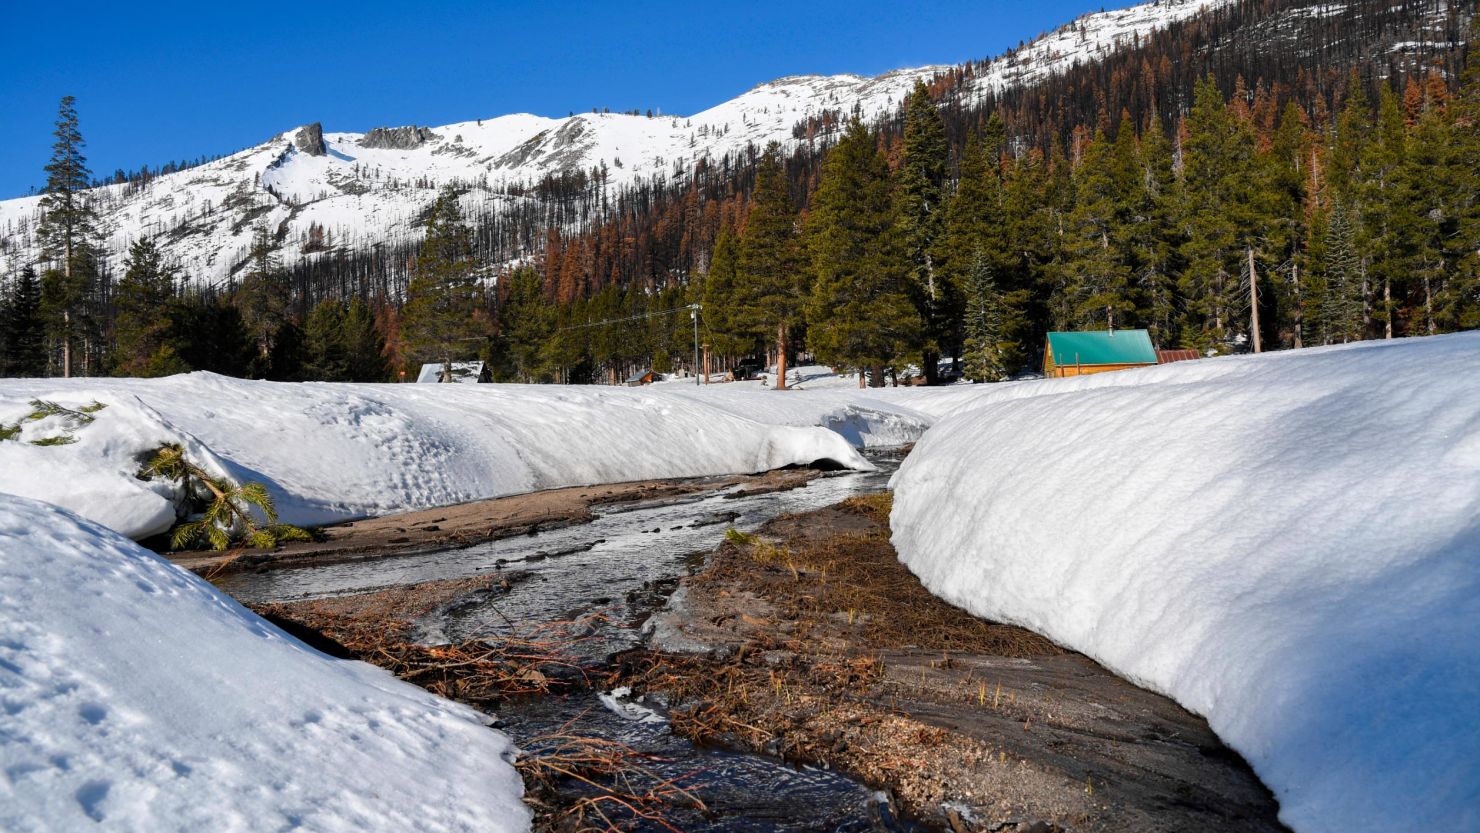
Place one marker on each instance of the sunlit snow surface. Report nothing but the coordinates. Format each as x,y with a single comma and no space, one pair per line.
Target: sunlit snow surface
135,697
330,452
1288,544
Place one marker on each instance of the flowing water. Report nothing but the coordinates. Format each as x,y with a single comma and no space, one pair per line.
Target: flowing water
602,579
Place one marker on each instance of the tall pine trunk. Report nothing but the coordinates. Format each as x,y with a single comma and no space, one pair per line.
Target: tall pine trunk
1299,306
1366,302
66,344
781,357
67,312
1428,305
1387,307
1253,303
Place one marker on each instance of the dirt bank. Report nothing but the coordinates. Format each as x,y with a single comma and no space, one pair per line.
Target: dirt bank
381,628
813,642
471,523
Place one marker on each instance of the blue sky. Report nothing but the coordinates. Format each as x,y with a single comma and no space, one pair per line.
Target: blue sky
161,81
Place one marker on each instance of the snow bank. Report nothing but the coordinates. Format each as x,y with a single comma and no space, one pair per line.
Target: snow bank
329,452
169,707
95,474
867,418
1287,544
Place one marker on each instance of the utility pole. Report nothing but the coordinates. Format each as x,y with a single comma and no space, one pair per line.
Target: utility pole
694,314
1253,302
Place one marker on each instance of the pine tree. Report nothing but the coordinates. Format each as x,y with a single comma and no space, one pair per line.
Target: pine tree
23,349
444,298
527,322
671,336
974,226
1151,236
1389,230
66,233
1352,129
264,298
861,312
1427,206
146,328
724,337
7,326
984,358
1312,278
1282,208
289,357
1343,313
213,336
1457,302
769,288
605,305
922,222
1036,196
568,346
1218,180
363,345
325,357
1098,275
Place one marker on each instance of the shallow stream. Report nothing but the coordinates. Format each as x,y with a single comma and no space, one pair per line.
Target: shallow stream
604,578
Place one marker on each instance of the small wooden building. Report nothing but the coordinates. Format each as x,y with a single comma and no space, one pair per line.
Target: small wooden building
1099,351
641,377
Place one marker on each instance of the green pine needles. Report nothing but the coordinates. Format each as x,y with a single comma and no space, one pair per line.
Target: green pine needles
71,419
225,511
984,354
222,512
77,417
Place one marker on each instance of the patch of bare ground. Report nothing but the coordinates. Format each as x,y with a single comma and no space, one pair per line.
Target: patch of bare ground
812,642
379,628
573,781
471,523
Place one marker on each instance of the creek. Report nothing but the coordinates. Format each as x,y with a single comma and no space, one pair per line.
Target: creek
601,580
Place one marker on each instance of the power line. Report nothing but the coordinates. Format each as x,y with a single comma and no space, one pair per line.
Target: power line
694,307
693,311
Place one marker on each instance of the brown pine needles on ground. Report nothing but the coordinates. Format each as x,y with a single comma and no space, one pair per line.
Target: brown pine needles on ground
624,789
617,786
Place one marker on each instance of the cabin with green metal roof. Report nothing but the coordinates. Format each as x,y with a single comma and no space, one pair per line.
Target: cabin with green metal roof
1097,351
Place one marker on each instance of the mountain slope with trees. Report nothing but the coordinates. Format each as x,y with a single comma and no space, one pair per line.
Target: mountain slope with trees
1304,169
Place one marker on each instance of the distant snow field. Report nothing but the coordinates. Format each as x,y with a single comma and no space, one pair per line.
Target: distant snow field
138,698
1288,544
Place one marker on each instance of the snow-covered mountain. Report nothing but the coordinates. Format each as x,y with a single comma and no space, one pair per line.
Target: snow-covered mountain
323,191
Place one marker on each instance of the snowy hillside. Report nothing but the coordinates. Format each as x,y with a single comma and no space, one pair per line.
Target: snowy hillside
169,707
1287,544
367,188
